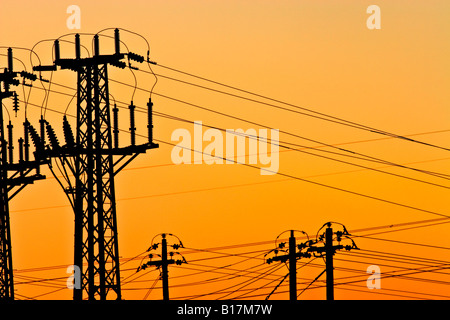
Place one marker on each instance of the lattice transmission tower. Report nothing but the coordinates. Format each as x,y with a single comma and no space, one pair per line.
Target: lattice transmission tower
91,159
14,176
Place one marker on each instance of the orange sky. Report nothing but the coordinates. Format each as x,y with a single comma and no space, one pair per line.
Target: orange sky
314,55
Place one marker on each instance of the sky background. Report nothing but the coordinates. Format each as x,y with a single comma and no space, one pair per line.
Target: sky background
316,55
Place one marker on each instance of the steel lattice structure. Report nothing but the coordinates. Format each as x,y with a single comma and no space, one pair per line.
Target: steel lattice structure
94,195
90,158
14,176
6,271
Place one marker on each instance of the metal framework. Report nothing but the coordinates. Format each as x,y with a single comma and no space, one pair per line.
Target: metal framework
95,198
90,158
6,270
13,176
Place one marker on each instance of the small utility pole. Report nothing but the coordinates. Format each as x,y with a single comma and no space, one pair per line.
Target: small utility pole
292,257
329,253
164,262
329,250
164,266
292,268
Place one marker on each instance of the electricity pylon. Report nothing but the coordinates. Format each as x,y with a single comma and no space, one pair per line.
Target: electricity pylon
13,176
88,158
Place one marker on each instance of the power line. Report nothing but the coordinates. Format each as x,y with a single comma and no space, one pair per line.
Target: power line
397,258
383,293
260,276
373,169
405,242
221,291
348,153
323,185
369,158
337,160
340,120
334,119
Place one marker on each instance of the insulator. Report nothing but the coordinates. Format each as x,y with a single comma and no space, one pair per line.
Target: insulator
118,64
150,120
10,142
26,144
96,46
132,127
68,133
117,41
77,46
57,55
42,129
10,60
6,86
34,136
116,126
52,137
21,149
27,75
36,140
135,57
15,103
44,68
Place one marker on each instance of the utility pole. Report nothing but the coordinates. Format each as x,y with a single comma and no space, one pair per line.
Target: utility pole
164,263
306,249
329,250
329,253
13,176
292,255
164,266
89,157
292,268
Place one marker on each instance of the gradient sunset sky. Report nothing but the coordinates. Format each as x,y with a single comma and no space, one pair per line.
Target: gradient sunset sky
318,55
